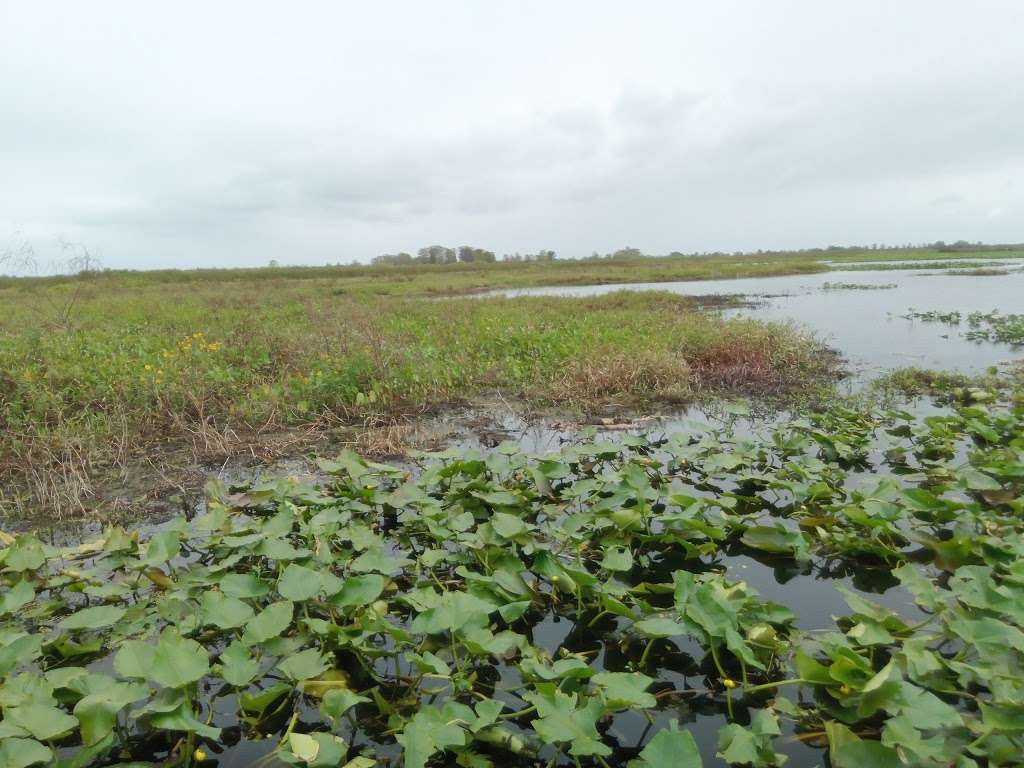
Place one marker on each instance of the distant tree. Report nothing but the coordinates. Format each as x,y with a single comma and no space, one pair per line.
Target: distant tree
436,254
468,254
627,253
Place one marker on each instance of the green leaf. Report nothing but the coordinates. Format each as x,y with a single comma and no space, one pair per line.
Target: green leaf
172,712
561,721
258,703
978,481
847,750
298,583
134,659
21,753
16,597
359,591
506,525
811,670
97,712
163,547
41,721
776,539
455,610
338,701
238,668
670,748
303,746
269,623
178,661
617,558
243,585
93,618
224,612
428,732
625,690
660,627
25,554
304,665
741,746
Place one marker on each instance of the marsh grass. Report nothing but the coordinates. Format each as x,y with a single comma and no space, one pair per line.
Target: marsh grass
211,368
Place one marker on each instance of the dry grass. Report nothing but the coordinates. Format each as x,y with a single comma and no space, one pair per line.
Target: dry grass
601,376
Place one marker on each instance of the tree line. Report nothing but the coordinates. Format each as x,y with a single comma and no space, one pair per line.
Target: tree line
464,254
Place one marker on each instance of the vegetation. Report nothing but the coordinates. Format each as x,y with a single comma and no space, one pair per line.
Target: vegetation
385,617
981,326
981,272
858,286
97,374
873,266
101,369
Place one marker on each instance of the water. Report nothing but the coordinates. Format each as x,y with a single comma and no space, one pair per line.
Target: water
865,326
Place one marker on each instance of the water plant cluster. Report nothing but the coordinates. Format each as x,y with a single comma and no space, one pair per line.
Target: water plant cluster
981,326
584,607
840,286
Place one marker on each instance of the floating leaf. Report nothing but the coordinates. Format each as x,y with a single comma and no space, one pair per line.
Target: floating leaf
670,748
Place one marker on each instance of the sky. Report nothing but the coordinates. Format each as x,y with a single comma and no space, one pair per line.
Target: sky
197,134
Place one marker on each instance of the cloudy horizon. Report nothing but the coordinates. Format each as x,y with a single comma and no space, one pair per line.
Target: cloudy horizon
236,133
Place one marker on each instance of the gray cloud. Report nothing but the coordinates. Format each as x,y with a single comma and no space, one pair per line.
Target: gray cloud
239,132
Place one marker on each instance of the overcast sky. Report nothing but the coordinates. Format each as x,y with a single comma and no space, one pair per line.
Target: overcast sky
231,133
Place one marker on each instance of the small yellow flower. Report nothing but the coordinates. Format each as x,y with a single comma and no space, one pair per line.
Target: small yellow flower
199,755
846,690
148,367
730,684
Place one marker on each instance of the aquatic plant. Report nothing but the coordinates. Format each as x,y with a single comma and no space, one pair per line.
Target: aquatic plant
412,615
858,286
981,326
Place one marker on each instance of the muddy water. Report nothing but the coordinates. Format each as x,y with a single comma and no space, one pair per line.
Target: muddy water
865,326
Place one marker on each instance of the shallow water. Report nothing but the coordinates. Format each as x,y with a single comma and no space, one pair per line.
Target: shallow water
865,326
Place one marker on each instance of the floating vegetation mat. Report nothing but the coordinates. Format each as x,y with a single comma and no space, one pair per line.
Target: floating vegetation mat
981,326
858,286
579,608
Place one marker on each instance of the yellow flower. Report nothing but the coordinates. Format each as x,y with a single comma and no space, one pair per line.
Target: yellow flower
730,684
199,755
147,367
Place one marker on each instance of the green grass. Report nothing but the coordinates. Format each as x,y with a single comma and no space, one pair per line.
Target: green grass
98,371
141,365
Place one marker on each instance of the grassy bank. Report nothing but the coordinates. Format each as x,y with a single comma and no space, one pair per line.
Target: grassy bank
135,367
